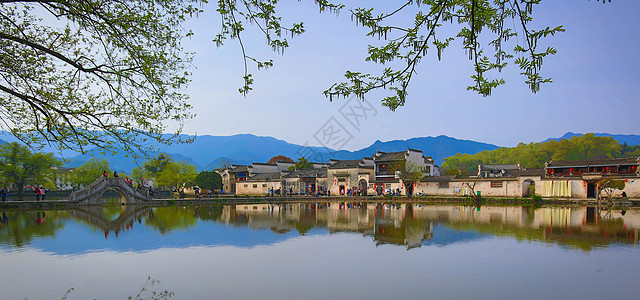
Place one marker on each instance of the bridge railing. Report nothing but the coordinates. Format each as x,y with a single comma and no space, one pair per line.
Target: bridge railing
103,183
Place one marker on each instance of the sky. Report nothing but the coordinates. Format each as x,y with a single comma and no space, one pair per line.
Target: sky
594,89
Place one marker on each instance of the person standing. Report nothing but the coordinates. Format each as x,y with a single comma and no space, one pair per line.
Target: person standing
105,174
115,173
36,190
43,193
4,193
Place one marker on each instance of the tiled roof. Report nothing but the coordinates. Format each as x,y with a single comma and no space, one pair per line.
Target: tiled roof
391,156
594,162
264,164
527,172
346,164
265,177
498,167
305,173
437,178
240,169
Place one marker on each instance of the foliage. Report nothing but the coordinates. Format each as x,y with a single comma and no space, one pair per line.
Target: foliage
19,166
157,165
535,155
407,171
492,33
156,295
178,175
90,171
277,158
93,73
209,180
302,163
166,173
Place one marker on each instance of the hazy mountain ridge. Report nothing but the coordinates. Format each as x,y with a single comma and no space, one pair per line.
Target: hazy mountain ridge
630,139
207,152
438,147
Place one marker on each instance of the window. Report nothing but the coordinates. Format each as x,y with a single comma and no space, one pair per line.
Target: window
264,185
443,185
496,184
255,186
246,185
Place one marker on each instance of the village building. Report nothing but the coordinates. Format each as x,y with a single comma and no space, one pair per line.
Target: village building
239,173
485,171
351,177
388,166
305,181
260,184
514,183
581,178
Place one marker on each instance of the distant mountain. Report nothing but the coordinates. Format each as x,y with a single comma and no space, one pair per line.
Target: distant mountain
438,147
630,139
119,162
207,152
218,163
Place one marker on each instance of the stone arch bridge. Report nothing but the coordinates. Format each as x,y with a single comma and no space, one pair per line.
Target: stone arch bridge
92,194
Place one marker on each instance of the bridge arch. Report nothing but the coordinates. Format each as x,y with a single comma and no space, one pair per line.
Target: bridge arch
92,194
123,195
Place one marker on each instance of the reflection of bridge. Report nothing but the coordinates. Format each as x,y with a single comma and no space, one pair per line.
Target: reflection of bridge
92,194
94,216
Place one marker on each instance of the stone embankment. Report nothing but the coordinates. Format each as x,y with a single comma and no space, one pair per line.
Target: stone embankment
61,204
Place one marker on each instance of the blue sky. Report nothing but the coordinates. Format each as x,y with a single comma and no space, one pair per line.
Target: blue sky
595,86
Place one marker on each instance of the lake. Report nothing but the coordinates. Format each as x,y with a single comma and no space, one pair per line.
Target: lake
321,251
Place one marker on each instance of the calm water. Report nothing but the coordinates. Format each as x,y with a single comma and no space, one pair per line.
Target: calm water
326,251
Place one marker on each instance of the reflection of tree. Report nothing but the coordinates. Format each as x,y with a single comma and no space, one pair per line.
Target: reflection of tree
166,219
22,227
210,213
571,237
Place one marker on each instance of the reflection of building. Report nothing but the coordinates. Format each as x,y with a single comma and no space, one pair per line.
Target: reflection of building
408,231
412,226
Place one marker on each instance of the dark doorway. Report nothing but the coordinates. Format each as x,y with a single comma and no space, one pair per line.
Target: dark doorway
362,185
591,190
409,188
341,190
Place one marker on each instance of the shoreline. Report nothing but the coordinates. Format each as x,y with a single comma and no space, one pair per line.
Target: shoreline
230,200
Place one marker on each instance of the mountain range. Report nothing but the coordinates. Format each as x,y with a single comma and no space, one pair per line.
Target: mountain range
208,152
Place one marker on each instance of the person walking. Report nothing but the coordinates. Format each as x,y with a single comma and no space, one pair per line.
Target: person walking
4,193
105,174
36,190
115,173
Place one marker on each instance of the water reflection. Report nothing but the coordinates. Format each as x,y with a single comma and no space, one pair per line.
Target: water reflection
406,225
